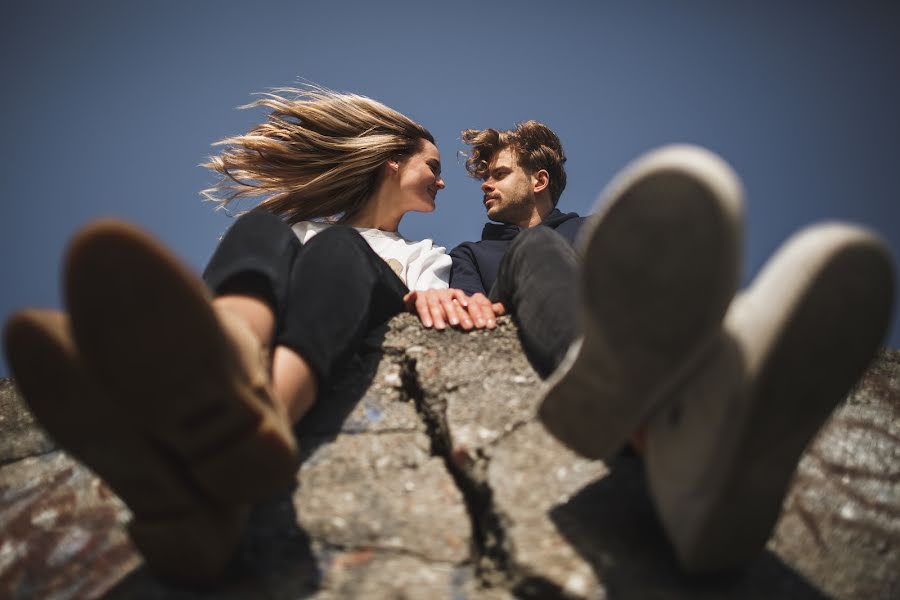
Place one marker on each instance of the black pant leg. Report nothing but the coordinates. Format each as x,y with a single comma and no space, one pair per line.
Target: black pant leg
339,290
538,282
255,258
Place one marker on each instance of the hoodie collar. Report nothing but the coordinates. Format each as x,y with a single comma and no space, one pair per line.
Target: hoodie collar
507,231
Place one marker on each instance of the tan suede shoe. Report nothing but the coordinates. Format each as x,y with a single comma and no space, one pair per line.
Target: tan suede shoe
197,381
180,532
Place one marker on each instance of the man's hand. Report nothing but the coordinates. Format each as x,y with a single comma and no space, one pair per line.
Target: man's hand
483,311
436,308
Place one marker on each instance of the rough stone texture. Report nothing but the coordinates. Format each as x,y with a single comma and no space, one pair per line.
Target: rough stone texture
425,475
842,516
383,491
529,474
61,530
20,437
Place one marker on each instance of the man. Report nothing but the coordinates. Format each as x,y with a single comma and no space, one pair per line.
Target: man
523,177
643,338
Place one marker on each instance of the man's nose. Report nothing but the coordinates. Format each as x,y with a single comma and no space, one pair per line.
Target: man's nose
486,187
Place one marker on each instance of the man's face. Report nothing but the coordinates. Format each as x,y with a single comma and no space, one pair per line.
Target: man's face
508,189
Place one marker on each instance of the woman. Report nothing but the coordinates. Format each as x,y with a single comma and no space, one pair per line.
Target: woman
184,403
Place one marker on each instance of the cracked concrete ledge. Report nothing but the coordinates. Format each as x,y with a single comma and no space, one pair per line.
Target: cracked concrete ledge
426,475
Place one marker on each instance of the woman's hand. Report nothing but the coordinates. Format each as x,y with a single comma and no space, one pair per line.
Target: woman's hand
436,308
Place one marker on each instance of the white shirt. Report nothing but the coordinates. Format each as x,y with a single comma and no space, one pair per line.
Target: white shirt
421,265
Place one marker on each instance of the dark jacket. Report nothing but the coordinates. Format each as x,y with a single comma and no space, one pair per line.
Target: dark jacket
475,264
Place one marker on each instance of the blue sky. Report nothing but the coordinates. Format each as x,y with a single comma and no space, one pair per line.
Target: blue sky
109,106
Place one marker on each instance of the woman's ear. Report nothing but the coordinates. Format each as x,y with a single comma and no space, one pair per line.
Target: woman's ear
393,165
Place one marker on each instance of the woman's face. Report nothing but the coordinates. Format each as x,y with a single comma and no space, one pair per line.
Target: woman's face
420,178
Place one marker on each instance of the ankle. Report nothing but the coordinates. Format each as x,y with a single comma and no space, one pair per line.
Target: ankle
294,382
255,313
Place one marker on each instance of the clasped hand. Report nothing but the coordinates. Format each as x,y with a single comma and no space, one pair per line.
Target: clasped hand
437,308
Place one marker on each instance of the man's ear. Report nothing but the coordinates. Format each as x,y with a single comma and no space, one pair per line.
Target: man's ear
540,181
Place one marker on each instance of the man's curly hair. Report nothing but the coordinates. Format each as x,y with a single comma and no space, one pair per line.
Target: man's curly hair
535,145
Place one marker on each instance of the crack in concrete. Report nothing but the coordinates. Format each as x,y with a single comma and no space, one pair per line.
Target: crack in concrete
508,432
37,454
490,553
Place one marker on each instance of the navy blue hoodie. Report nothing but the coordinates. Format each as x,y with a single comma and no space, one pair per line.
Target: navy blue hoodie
475,264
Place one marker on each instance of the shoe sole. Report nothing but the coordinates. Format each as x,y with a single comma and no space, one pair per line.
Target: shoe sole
179,533
660,265
146,330
806,331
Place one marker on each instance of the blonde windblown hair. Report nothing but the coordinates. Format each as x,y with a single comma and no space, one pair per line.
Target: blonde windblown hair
318,154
